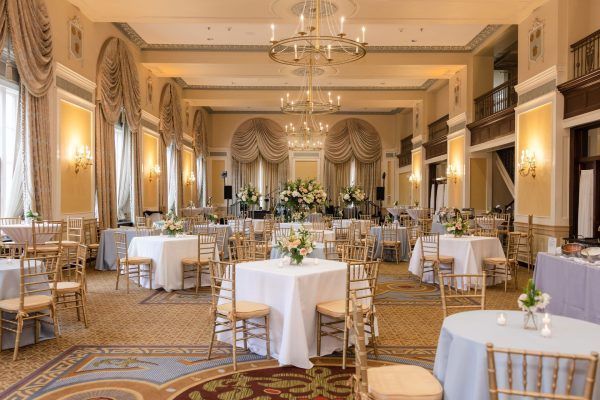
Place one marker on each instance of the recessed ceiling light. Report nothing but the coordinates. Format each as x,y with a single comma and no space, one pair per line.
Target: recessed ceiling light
401,29
229,29
414,40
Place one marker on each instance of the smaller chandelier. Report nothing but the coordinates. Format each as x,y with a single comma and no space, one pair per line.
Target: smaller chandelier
310,99
308,136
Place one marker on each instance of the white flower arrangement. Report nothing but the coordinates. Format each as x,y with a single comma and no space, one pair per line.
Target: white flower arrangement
32,215
532,299
248,194
352,195
302,195
172,225
458,226
297,246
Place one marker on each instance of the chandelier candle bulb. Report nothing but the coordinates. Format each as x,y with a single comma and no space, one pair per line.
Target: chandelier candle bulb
338,100
272,32
329,95
329,52
363,34
295,52
342,26
301,23
282,102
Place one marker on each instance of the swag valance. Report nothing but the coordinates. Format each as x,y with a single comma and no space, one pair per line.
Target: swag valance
363,139
259,136
170,116
200,132
118,84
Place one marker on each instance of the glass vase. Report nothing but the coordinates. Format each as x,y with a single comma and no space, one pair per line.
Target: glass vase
296,260
529,320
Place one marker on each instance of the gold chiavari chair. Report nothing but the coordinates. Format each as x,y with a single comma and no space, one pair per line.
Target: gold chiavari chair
390,240
249,229
92,241
319,226
409,382
425,224
146,232
462,292
317,236
369,241
12,249
405,220
268,227
10,221
237,248
342,233
334,249
227,311
201,228
36,301
282,233
72,294
193,267
355,230
257,250
527,243
141,222
73,237
130,267
431,260
486,226
355,253
505,267
46,237
362,279
413,232
551,380
221,232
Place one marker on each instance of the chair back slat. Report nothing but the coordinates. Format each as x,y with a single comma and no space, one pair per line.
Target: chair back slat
222,283
10,221
357,325
12,250
461,292
75,230
334,249
121,245
555,373
37,276
207,244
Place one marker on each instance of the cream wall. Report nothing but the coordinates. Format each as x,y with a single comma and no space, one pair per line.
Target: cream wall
456,158
417,159
187,167
534,132
150,149
437,103
404,188
76,128
306,169
478,183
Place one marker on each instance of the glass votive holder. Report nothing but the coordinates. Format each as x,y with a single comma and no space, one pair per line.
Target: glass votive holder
501,319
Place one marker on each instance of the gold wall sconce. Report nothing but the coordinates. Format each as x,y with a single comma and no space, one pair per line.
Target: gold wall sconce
526,165
414,179
452,173
191,179
82,158
154,172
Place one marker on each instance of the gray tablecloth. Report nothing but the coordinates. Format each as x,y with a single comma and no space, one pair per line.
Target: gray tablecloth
107,253
573,286
376,231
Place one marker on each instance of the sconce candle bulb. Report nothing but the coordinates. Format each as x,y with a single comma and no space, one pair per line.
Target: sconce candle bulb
82,158
154,172
527,163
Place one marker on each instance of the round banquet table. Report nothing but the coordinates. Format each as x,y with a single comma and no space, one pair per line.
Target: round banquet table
318,252
23,233
10,273
468,253
293,293
402,238
461,358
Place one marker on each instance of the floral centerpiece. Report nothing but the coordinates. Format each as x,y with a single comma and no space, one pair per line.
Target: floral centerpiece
457,226
32,216
301,195
172,225
352,195
296,245
531,300
248,194
214,218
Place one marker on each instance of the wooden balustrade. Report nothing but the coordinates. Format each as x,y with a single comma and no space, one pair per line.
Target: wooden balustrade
500,98
586,55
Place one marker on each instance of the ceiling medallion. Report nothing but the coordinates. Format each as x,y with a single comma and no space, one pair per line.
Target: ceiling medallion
301,8
319,39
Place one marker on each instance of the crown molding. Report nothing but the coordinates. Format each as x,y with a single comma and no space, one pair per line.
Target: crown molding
75,78
150,117
473,44
548,75
457,120
426,85
270,112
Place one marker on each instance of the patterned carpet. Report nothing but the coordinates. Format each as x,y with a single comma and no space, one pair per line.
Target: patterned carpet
182,372
141,333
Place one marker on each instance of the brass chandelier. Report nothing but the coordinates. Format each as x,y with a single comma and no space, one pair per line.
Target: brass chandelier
310,99
309,135
319,40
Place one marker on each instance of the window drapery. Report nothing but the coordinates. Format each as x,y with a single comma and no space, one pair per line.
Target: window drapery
117,91
124,153
259,142
352,139
28,24
201,151
171,132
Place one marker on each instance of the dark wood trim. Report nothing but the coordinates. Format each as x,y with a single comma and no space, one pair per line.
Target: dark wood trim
497,125
437,139
581,82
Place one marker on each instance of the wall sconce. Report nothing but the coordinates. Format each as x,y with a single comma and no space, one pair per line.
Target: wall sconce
414,179
452,173
154,172
82,158
527,164
191,179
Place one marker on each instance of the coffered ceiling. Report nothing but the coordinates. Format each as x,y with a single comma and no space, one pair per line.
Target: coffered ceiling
220,47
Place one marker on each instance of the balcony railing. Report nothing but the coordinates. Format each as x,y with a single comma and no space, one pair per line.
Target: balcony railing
498,99
586,55
405,156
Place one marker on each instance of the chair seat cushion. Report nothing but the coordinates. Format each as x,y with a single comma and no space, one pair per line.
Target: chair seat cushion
391,243
68,286
31,303
403,382
136,260
335,309
494,260
65,243
442,259
245,309
193,261
43,248
93,246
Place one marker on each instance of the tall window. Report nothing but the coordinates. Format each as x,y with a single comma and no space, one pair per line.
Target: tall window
124,168
172,176
11,173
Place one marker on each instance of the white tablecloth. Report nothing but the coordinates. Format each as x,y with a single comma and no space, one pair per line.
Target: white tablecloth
293,293
23,233
259,225
468,253
417,213
318,253
345,223
10,272
395,212
166,253
461,359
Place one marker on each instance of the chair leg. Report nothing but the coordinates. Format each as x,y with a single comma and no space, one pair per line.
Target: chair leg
182,276
212,336
244,327
198,275
373,336
150,275
83,308
234,350
345,347
18,337
54,316
318,334
118,274
127,276
268,337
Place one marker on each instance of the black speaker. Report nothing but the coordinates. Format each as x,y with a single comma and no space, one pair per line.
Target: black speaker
380,193
228,192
